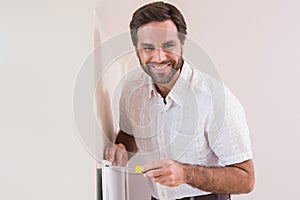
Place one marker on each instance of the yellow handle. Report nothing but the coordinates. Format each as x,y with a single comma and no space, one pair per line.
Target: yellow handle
138,169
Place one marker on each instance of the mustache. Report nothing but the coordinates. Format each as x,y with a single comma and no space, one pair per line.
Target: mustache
161,63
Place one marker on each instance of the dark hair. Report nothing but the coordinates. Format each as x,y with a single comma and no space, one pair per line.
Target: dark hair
157,11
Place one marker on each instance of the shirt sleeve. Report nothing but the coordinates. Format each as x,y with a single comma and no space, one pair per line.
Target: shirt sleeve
231,140
124,122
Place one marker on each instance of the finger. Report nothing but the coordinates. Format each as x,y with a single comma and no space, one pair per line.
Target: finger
106,153
121,146
166,180
154,164
154,173
157,164
111,154
121,157
161,179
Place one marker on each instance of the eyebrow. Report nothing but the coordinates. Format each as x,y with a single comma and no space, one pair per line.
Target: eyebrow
147,45
171,42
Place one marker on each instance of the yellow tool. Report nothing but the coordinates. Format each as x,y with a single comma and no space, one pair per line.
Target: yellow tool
138,169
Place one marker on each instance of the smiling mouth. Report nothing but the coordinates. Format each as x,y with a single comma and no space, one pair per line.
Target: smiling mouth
161,67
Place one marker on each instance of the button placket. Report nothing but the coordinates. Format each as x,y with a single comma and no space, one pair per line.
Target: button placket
161,141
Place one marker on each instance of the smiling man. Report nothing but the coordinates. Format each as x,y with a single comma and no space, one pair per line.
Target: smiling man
167,114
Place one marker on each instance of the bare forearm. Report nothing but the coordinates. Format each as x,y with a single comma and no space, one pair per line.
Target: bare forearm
233,179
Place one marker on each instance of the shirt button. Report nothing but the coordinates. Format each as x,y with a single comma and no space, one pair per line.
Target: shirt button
160,134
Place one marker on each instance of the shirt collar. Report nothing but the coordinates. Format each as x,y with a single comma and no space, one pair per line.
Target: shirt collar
180,88
151,88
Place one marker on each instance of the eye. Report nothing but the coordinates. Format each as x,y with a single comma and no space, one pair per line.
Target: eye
148,48
168,45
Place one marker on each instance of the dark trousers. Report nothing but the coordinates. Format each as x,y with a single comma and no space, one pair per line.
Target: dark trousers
205,197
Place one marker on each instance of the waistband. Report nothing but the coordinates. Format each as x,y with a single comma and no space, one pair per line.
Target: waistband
205,197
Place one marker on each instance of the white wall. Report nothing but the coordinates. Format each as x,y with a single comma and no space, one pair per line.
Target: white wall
42,46
255,45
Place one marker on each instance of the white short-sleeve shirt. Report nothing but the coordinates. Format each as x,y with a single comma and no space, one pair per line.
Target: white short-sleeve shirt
199,122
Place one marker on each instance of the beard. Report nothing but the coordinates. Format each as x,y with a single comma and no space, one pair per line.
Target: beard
162,73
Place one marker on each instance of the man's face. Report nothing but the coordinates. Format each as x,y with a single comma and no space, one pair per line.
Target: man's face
159,51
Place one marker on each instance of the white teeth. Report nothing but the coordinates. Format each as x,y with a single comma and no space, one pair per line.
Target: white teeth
161,67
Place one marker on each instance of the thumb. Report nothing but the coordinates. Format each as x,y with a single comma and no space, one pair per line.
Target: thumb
121,146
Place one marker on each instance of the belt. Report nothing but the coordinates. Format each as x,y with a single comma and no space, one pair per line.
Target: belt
205,197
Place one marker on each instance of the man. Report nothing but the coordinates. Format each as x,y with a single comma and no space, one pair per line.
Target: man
169,115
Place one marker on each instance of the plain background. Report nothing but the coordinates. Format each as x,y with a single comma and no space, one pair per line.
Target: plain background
255,45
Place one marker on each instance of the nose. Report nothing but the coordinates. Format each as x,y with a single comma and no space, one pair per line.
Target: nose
159,55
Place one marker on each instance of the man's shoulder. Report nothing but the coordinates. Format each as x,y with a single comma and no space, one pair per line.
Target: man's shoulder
135,81
204,82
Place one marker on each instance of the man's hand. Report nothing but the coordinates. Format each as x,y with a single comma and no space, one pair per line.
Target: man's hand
116,154
166,172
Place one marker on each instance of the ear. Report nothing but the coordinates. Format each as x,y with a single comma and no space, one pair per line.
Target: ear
137,55
182,48
137,52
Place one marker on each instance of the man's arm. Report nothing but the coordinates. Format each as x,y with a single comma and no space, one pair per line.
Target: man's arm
233,179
